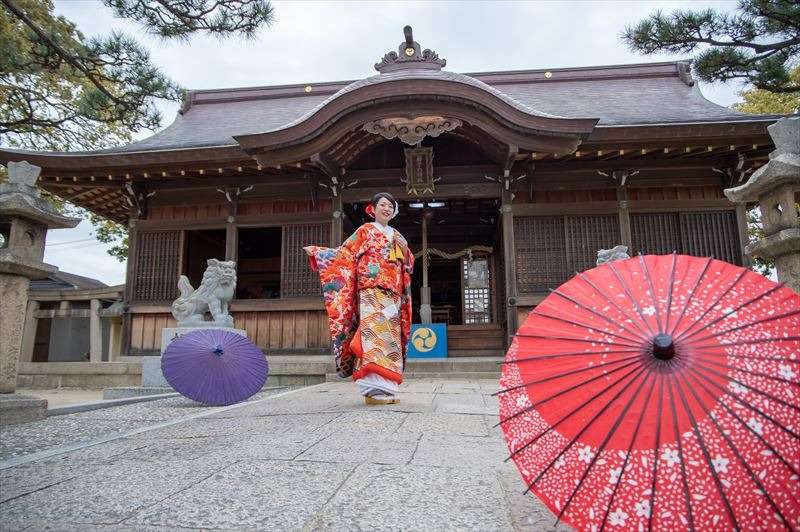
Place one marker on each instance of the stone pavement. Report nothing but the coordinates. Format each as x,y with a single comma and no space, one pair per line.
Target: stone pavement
315,458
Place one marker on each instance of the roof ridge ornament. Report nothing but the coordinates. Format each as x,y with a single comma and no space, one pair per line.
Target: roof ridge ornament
408,55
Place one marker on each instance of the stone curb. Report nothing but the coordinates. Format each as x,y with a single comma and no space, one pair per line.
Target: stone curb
108,403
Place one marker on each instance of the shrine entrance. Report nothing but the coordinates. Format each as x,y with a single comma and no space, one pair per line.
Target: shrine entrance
463,239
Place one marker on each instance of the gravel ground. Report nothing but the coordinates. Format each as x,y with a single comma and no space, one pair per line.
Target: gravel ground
27,438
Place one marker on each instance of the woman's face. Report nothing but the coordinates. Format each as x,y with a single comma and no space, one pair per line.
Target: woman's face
384,210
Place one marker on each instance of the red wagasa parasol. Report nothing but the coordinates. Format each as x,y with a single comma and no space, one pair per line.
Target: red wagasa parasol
659,392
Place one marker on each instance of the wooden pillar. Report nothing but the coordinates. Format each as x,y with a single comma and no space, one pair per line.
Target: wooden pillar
425,315
624,219
129,285
114,338
744,239
29,332
95,332
336,222
509,263
231,242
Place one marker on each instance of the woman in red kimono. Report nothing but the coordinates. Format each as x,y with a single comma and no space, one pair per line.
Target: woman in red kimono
367,287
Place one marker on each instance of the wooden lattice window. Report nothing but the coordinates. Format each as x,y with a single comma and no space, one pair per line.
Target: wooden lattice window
585,236
655,234
550,249
702,234
297,278
156,267
540,252
711,234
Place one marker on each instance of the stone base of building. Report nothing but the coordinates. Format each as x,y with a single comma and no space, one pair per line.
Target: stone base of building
17,408
86,375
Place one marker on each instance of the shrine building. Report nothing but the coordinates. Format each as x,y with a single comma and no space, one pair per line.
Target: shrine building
511,180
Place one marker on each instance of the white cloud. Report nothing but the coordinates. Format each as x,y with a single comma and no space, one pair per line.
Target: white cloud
332,41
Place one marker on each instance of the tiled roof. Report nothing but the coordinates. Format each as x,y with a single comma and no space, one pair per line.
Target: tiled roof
624,95
65,281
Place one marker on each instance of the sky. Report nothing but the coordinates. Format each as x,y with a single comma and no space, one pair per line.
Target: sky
333,41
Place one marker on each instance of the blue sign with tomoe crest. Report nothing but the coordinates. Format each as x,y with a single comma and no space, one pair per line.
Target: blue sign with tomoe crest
428,340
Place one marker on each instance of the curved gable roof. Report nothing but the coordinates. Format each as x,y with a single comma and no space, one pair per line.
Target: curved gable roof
620,95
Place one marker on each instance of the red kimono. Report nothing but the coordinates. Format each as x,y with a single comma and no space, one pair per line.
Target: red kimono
367,287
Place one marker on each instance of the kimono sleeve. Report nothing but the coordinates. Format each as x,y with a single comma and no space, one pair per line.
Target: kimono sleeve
337,273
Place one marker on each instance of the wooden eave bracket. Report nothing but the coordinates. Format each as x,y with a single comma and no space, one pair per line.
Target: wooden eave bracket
327,166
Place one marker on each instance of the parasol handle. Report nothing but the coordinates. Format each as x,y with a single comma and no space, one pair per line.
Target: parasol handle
663,347
218,351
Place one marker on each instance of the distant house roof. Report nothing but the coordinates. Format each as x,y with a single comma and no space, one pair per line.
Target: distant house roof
65,281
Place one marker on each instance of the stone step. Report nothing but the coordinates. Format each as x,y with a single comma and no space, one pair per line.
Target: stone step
470,375
489,353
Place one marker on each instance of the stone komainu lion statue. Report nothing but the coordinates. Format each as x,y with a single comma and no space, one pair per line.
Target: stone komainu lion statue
615,253
215,291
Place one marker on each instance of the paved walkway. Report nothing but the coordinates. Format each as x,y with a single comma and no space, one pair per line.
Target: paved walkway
310,459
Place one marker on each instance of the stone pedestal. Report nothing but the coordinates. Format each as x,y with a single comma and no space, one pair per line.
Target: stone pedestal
774,187
151,366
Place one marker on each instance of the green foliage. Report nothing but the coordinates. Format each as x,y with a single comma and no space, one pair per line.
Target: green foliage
182,19
755,231
759,101
61,91
759,45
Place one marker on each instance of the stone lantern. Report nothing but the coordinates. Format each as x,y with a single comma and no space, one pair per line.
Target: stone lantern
775,186
24,220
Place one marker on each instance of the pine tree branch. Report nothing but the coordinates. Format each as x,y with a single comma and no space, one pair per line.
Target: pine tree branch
64,54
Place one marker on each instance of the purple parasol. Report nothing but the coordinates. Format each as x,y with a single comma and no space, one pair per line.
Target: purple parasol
214,367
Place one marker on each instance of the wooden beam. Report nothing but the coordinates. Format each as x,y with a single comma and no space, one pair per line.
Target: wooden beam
471,190
509,159
326,165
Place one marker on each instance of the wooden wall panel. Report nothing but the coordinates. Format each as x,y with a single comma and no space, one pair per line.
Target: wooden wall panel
675,193
220,210
610,194
565,196
187,212
301,330
264,208
146,331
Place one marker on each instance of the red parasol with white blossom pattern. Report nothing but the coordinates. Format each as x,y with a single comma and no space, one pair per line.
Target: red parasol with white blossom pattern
660,392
